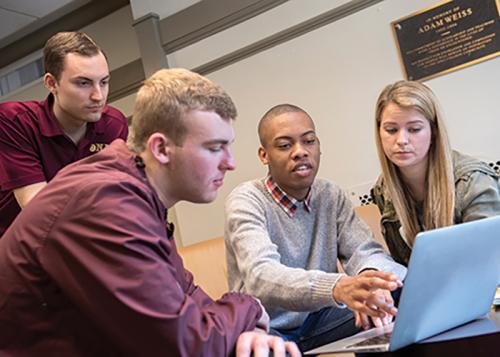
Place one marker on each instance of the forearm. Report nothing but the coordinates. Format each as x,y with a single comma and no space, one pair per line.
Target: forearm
275,284
25,194
371,256
358,249
157,313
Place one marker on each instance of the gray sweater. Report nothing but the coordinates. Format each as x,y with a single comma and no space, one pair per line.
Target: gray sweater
290,263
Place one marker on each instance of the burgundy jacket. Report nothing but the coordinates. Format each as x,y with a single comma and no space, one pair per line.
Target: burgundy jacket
88,269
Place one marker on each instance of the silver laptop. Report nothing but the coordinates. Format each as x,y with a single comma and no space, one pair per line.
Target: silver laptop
452,277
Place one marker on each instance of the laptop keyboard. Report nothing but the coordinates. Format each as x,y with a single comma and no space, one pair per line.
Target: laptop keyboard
373,341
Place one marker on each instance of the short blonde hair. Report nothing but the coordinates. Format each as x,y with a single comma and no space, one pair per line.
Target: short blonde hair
439,202
166,97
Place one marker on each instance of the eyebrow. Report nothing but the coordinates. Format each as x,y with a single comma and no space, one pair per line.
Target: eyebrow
217,141
416,121
285,137
89,79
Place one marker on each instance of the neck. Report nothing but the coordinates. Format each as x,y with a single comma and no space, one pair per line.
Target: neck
157,180
415,178
297,194
75,129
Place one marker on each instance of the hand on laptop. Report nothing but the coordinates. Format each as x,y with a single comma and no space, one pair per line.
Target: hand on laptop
363,320
368,293
259,344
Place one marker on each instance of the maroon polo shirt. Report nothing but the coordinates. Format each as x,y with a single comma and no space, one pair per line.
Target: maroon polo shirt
89,269
33,147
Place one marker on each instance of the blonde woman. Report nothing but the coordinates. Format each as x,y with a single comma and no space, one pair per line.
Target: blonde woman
424,184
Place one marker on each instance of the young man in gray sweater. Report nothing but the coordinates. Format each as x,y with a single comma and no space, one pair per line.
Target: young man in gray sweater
285,232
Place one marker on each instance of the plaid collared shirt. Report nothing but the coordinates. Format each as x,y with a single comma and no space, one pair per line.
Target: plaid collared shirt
287,203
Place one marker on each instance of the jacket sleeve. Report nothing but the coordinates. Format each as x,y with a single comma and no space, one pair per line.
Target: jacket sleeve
121,272
478,196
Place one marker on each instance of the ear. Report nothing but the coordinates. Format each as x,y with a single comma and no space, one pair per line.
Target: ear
50,83
263,155
160,147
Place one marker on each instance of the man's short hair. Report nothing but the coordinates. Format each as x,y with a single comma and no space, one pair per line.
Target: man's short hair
59,45
166,97
274,112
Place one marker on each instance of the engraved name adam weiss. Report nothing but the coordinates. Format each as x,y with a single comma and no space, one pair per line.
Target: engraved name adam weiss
437,22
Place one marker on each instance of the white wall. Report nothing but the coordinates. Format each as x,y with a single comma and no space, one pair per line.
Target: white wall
335,73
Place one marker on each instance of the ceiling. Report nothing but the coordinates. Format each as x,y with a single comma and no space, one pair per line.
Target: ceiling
21,17
25,25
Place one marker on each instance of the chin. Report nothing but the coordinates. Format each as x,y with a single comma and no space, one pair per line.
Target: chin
205,199
94,118
402,164
308,181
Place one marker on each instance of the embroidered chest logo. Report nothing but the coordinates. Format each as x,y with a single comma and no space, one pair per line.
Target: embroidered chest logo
97,147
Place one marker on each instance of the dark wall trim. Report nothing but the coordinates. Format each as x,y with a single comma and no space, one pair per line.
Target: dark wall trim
206,18
126,80
188,26
35,37
286,35
147,31
180,30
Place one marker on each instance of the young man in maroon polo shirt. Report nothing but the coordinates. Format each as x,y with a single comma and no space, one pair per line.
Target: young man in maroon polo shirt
89,268
37,138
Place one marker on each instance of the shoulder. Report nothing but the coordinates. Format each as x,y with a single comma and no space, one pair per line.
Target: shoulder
322,186
465,166
105,177
12,111
382,199
250,196
111,115
256,185
327,196
378,188
254,188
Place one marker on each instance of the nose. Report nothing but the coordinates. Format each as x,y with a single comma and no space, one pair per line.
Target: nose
97,93
402,138
228,163
299,151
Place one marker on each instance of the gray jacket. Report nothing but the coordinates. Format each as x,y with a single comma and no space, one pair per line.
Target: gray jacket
477,195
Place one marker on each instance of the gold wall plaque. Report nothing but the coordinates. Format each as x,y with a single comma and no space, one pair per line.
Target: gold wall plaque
450,35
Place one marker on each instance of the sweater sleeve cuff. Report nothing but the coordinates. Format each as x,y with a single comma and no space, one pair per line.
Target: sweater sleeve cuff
322,290
385,266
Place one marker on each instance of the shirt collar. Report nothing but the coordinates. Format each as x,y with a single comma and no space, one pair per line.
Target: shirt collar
286,202
50,125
